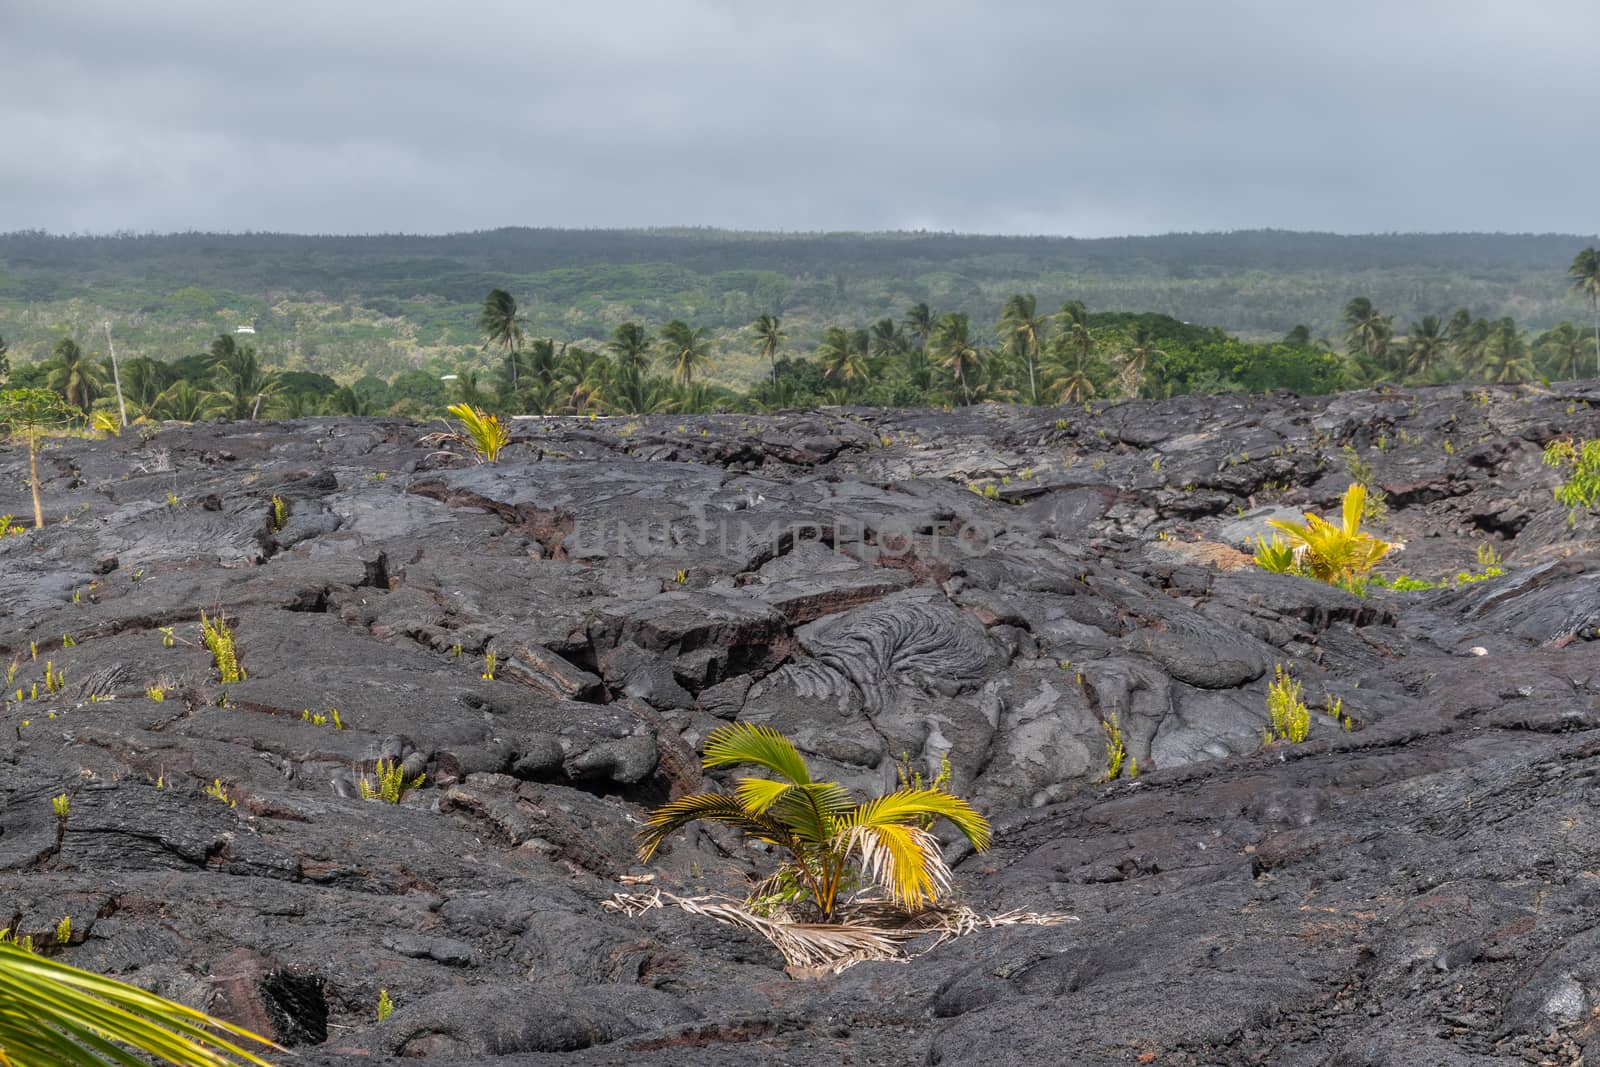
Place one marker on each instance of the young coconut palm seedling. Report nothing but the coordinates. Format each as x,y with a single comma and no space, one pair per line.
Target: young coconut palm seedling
1341,555
829,840
481,432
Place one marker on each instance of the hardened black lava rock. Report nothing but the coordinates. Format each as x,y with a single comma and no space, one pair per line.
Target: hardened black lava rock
1413,884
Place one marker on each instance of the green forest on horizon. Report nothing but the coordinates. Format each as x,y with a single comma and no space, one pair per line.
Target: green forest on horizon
1192,312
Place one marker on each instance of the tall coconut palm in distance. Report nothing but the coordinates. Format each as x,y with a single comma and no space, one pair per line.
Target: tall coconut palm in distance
887,340
769,338
74,376
1136,358
501,324
630,345
687,348
1367,333
840,356
1563,348
1425,346
1022,332
1468,338
1506,355
951,345
1072,381
1585,275
920,323
240,377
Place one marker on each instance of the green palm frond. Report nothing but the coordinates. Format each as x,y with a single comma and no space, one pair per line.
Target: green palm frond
1355,505
483,432
52,1015
713,806
759,794
824,833
813,811
1340,555
1275,556
904,860
913,805
744,742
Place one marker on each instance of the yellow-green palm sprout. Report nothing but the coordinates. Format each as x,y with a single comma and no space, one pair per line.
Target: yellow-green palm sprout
52,1015
1340,555
482,432
825,833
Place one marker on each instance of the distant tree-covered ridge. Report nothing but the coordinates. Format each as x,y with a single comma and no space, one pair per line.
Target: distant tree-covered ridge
354,308
1020,352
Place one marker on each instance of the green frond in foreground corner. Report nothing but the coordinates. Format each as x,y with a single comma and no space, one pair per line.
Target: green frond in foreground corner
52,1015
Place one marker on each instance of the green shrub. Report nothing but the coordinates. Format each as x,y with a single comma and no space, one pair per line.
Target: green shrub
219,640
1291,718
1116,751
391,783
1582,487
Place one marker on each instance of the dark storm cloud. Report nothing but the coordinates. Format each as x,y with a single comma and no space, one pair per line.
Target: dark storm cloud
1048,117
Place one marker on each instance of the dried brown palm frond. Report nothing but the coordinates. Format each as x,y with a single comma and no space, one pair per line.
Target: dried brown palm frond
869,929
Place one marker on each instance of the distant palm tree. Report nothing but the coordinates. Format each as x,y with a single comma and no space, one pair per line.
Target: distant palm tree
1425,346
840,357
1468,338
1137,356
346,401
182,401
861,341
1506,355
1299,337
466,389
587,378
297,405
689,399
775,397
634,394
1022,330
544,361
74,376
921,321
501,324
1585,274
951,346
630,345
917,368
1071,385
240,377
688,350
1075,336
769,338
1564,348
887,339
141,380
1367,333
541,398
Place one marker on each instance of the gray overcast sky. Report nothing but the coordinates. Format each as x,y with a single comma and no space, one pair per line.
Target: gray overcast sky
1013,116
